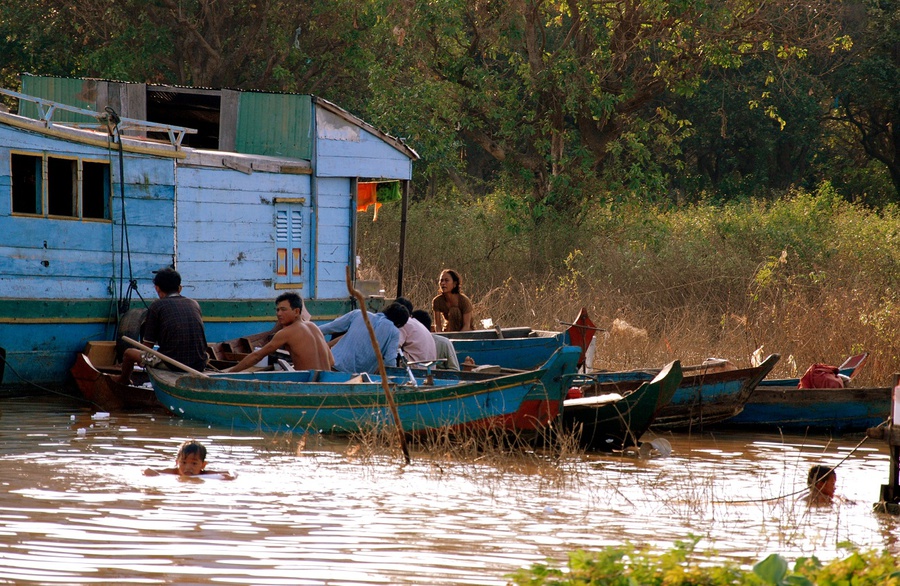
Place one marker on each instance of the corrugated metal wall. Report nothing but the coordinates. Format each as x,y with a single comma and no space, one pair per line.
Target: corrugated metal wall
278,125
58,89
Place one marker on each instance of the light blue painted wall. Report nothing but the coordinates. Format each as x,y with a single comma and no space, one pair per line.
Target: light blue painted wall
347,150
226,231
78,254
333,237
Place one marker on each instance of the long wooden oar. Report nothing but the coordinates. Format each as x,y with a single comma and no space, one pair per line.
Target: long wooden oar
377,349
163,357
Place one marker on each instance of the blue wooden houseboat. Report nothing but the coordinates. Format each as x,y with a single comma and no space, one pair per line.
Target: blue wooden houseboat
247,194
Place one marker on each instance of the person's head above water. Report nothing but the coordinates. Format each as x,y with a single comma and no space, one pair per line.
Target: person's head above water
821,482
191,459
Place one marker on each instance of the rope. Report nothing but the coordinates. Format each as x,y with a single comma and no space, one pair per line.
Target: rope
124,298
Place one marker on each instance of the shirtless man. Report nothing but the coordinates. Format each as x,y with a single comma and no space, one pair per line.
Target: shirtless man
307,345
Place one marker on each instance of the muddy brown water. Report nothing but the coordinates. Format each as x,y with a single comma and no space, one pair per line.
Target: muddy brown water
75,507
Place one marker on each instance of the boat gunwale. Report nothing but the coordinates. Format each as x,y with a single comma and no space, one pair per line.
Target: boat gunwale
373,394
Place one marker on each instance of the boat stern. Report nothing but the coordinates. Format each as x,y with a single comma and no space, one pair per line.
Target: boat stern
543,402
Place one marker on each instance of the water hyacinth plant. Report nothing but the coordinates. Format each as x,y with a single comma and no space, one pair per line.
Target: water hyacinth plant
631,566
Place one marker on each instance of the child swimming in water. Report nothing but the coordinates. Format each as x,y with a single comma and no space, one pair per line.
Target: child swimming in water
821,482
190,461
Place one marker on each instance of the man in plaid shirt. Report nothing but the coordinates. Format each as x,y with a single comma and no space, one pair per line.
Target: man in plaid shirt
174,323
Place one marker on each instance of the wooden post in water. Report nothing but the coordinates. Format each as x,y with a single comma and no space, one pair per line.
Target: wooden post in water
890,492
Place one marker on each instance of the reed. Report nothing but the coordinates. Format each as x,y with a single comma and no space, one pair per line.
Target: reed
483,454
808,276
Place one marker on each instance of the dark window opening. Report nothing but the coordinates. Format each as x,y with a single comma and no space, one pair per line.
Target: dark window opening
26,184
190,110
62,181
95,190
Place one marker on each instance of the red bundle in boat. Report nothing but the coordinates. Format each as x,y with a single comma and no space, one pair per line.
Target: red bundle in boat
821,376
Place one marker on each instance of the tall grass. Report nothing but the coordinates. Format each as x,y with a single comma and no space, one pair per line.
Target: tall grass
808,276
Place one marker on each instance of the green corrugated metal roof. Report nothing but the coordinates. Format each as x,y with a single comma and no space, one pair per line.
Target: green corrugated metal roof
278,125
58,89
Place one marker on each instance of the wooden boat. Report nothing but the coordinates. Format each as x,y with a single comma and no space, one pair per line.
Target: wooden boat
837,411
233,351
702,398
96,372
341,403
520,348
612,422
97,378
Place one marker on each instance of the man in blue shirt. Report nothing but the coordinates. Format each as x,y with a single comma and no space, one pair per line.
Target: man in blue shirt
353,350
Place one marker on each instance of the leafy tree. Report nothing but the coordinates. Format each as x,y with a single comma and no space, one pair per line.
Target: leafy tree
756,129
866,90
557,93
310,47
35,37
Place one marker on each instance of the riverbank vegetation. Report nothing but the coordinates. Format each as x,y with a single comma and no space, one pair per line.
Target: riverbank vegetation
624,566
809,276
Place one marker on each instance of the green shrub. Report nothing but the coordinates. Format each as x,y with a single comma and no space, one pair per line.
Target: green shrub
627,566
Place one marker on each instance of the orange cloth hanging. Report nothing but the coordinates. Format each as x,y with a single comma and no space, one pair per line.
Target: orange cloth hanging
367,195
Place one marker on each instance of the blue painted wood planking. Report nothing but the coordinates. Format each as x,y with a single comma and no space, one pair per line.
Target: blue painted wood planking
251,232
336,188
217,213
71,275
332,283
19,141
202,282
257,184
332,220
33,232
144,170
44,353
343,150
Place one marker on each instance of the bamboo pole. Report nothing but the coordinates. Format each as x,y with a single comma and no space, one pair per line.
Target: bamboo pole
377,349
164,358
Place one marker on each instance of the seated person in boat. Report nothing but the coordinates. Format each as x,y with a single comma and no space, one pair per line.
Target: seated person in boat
452,310
821,482
305,342
174,323
353,350
190,461
416,341
443,346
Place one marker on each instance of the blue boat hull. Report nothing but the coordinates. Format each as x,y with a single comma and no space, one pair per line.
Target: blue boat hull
830,410
521,352
338,403
701,399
